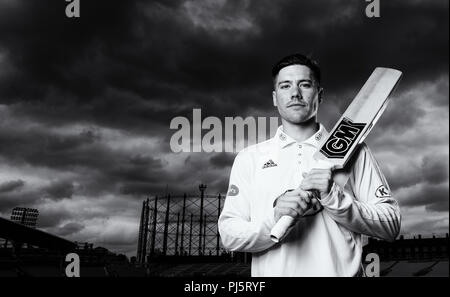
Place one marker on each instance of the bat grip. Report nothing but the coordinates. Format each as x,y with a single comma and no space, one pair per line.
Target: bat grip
280,228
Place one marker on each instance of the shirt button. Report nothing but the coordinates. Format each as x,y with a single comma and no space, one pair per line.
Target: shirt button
299,146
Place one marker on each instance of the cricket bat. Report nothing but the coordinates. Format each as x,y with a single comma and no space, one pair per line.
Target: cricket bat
351,129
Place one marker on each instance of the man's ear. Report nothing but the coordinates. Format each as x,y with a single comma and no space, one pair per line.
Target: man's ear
274,98
320,94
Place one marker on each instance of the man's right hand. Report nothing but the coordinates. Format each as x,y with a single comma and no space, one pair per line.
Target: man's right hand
294,203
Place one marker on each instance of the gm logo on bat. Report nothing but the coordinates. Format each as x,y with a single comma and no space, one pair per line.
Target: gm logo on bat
342,139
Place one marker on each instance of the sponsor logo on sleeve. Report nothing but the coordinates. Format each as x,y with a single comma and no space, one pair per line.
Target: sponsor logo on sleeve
233,190
382,192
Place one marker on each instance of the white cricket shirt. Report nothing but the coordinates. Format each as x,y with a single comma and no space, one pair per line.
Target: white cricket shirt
327,243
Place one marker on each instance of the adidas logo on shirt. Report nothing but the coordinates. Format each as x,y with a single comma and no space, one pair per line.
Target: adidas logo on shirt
269,163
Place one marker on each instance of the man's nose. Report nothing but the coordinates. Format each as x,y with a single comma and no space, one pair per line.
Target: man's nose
296,93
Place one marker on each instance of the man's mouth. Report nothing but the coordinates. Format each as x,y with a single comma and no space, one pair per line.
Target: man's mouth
297,105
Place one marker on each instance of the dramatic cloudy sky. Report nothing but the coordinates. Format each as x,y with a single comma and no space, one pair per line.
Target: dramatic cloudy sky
86,104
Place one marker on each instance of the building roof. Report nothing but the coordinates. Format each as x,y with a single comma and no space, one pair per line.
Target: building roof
20,233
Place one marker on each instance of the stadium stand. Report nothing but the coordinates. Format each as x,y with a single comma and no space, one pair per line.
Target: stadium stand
31,252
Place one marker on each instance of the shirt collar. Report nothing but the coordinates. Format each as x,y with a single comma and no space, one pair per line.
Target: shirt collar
315,140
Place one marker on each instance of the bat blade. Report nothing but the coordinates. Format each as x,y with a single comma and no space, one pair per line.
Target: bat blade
359,118
352,128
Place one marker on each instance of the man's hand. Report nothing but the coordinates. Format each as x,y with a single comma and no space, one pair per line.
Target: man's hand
294,204
319,180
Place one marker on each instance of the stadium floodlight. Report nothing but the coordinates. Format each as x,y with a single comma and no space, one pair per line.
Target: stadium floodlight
25,216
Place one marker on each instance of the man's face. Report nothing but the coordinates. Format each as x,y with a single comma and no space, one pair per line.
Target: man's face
296,94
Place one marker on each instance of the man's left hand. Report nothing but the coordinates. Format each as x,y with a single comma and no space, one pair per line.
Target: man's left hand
318,180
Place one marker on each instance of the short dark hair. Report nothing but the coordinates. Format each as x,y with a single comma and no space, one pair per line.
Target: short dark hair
297,59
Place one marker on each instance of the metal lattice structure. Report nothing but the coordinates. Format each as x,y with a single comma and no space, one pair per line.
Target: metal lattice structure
180,225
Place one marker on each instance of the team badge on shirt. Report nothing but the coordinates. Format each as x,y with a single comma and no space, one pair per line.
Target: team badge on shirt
382,192
233,190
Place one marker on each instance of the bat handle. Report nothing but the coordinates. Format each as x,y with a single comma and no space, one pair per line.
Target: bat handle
280,228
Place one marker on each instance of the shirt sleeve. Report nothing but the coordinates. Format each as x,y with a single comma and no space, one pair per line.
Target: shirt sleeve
367,207
238,231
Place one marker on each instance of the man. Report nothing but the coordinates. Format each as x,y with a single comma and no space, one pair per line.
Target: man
280,177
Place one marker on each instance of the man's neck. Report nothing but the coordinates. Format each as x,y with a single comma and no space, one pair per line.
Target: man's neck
301,132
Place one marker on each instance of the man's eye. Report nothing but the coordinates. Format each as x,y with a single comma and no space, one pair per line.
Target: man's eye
284,86
305,85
